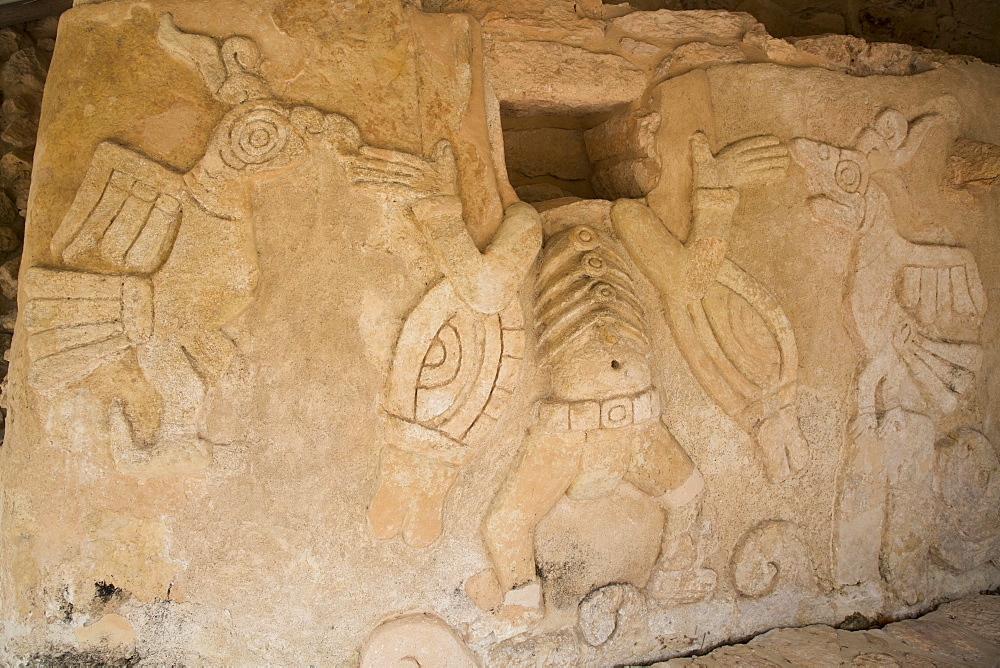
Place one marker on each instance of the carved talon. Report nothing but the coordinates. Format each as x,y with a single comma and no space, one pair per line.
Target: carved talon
751,161
409,175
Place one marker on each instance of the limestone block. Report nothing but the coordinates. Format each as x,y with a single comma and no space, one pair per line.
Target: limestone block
684,26
695,54
777,50
855,56
980,614
297,378
639,48
547,77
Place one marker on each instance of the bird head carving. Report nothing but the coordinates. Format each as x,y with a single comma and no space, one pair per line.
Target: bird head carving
838,180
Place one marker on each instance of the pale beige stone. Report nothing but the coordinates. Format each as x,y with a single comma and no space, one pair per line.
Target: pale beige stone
111,630
522,74
416,640
639,48
298,379
698,54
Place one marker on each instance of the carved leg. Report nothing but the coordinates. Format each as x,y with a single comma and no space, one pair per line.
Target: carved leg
410,497
662,469
547,466
176,446
860,509
909,440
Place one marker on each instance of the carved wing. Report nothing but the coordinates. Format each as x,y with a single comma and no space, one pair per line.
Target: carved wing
124,217
945,298
119,229
78,320
946,302
453,371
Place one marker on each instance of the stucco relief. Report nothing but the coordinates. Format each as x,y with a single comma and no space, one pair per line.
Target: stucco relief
467,430
917,311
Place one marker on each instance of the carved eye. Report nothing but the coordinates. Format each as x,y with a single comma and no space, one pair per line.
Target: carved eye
848,175
256,136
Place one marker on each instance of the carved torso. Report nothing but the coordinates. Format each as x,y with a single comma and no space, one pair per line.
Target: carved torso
591,326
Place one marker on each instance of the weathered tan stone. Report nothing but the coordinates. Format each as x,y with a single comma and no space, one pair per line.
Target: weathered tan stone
111,630
297,378
855,56
548,77
686,26
694,54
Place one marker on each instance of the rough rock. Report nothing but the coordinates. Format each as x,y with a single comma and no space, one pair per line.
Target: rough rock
547,77
855,56
963,632
686,26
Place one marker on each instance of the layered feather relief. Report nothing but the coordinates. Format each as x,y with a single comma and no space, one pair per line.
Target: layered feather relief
98,302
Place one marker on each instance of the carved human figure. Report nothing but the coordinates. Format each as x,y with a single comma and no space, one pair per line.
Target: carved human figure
915,311
732,331
600,422
132,268
459,352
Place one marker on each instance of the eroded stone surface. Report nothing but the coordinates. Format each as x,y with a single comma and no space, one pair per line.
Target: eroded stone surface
960,633
298,378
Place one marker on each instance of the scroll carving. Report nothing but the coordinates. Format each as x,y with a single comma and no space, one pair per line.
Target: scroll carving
416,640
131,272
768,556
916,311
967,494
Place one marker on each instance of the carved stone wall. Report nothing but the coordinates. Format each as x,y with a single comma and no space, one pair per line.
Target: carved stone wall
591,337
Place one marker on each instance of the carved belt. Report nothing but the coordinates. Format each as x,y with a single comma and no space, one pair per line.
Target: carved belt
559,416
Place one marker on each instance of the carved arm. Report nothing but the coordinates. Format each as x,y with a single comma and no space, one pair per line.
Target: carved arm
486,281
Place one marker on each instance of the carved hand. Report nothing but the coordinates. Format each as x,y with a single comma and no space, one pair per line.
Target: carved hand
750,161
409,176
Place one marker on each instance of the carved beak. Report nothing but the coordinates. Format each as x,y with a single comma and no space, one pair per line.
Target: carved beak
830,204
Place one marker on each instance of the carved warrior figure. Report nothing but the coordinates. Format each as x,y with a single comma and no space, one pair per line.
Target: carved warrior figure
733,333
600,423
916,311
131,272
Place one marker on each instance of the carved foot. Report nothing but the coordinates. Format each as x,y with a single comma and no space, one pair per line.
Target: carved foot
176,455
410,497
521,606
682,587
781,441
